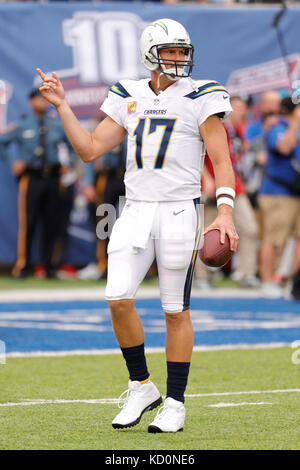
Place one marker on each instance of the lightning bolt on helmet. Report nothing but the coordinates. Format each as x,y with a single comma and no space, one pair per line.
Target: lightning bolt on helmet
163,34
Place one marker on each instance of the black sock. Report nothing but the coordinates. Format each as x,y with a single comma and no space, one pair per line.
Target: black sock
177,379
136,362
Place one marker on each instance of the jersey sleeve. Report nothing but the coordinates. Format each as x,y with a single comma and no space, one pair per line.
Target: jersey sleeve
211,99
114,105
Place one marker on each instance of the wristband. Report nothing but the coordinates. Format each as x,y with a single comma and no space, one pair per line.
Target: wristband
225,195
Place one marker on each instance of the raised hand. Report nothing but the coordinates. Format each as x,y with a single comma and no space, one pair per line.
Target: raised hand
52,89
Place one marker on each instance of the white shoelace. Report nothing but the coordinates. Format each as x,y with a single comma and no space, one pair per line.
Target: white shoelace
123,400
161,412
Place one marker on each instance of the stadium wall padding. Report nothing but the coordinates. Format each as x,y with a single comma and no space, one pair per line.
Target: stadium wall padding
92,45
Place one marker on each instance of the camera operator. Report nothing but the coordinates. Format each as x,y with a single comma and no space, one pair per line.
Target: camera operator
279,196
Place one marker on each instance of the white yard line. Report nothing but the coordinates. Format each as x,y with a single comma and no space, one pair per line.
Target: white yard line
244,403
102,401
246,392
101,352
97,293
109,401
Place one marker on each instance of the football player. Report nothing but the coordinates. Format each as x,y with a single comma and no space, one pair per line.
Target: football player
169,119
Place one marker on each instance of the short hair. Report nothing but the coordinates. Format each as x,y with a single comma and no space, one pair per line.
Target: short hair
287,105
33,93
238,98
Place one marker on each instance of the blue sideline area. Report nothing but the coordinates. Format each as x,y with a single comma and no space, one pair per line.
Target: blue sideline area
86,325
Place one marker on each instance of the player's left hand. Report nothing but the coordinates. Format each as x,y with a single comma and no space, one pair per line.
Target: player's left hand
224,223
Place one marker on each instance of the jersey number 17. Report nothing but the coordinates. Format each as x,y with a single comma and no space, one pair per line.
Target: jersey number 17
139,134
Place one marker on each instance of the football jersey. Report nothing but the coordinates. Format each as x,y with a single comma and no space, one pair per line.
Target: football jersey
165,151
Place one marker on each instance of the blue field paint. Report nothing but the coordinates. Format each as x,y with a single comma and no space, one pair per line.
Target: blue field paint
86,325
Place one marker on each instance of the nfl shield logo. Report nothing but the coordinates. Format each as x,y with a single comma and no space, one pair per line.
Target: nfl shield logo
156,101
132,107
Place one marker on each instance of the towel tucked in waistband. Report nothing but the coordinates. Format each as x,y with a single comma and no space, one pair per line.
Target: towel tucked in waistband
144,222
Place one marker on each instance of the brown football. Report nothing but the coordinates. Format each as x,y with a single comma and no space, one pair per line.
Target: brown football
212,253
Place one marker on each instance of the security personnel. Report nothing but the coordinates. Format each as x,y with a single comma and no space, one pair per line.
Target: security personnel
37,168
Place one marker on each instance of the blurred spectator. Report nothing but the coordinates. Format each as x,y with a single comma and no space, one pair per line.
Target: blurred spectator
103,184
295,291
255,157
279,197
68,180
37,169
244,216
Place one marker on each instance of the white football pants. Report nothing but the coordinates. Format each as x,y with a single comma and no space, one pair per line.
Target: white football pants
167,231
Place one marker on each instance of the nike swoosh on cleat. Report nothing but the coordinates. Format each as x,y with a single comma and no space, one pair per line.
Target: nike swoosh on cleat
225,97
176,213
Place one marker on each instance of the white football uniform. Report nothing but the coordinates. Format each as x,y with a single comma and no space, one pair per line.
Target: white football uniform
165,155
165,151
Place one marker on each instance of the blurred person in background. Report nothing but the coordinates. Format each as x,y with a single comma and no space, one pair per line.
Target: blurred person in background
279,196
244,216
103,183
93,185
38,170
67,183
255,156
295,287
269,103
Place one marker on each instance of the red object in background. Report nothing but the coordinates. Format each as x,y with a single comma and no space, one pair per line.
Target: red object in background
39,271
67,271
235,138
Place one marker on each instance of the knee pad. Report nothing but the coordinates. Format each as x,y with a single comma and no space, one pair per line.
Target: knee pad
171,301
175,254
172,307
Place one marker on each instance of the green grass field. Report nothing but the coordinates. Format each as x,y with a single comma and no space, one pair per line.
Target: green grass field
31,282
273,425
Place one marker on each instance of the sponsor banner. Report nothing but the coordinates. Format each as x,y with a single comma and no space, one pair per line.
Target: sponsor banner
274,74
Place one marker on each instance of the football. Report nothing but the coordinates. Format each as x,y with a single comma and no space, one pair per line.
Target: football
212,253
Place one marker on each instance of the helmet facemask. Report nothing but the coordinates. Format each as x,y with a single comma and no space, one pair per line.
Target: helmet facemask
179,68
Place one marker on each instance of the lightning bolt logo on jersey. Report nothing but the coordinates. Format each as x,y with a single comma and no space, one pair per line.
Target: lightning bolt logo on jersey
165,150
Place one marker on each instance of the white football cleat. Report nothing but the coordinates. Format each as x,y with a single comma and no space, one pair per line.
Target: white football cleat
169,418
139,398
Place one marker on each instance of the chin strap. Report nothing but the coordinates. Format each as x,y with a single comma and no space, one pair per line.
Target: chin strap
193,84
158,83
170,78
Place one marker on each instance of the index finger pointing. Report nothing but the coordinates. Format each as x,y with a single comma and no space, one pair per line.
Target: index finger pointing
41,74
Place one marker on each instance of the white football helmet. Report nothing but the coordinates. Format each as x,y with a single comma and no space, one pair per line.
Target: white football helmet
166,33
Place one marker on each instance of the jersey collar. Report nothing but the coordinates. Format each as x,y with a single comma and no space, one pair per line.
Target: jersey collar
165,92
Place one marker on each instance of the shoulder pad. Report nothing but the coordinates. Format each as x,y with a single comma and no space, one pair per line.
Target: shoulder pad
209,87
119,90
